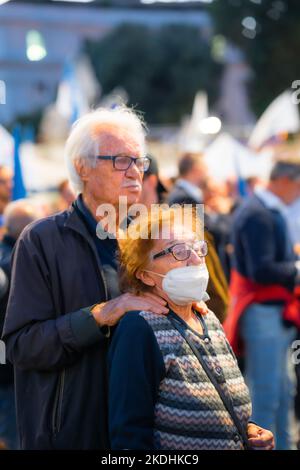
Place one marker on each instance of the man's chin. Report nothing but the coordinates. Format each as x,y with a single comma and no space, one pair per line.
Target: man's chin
132,196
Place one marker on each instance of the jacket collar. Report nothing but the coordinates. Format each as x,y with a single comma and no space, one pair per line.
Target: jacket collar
191,189
270,200
75,221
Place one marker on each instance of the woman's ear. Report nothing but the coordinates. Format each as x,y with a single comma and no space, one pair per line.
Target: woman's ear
145,278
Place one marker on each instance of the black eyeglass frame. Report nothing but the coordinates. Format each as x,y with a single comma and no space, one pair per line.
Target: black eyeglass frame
166,251
132,159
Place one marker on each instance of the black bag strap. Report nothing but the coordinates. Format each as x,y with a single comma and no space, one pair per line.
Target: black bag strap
227,403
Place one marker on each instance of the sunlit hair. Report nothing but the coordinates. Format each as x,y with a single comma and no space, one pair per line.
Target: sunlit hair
84,141
135,252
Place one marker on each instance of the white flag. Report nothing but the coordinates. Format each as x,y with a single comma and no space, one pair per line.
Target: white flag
6,147
280,116
227,158
190,136
200,109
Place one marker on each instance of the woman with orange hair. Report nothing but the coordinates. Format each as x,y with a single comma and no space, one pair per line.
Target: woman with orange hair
174,382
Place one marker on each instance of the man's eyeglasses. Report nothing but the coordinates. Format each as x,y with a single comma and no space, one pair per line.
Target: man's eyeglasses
182,251
122,163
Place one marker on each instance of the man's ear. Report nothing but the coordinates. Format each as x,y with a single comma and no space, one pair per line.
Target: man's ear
82,170
145,278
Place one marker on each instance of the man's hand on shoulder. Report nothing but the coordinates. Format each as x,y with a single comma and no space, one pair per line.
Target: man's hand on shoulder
110,312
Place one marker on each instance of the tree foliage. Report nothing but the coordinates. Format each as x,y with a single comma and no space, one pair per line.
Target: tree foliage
161,69
271,48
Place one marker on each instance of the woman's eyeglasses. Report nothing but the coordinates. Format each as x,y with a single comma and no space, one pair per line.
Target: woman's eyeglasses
122,163
182,251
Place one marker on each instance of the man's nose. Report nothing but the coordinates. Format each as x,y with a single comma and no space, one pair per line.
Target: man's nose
133,171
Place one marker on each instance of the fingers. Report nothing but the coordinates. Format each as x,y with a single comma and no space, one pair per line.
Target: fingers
143,302
156,298
256,431
258,443
153,307
201,307
262,448
259,438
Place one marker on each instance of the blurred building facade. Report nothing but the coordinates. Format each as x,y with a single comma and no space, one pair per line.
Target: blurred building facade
37,38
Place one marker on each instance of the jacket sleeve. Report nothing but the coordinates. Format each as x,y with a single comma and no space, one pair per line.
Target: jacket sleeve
259,245
36,336
136,368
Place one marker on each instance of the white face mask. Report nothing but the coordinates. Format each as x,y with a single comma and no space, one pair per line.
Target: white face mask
185,285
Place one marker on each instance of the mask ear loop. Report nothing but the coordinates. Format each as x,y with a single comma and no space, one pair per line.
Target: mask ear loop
158,274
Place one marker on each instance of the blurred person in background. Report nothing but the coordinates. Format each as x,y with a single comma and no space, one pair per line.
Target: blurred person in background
264,308
192,176
153,191
6,185
17,215
218,207
293,221
252,183
66,195
188,189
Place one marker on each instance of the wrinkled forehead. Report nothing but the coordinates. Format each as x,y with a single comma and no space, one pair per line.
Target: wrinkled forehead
114,140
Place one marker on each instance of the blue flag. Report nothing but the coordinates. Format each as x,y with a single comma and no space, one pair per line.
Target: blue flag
19,191
241,183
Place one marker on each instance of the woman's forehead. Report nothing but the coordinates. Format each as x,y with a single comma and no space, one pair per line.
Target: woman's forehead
176,234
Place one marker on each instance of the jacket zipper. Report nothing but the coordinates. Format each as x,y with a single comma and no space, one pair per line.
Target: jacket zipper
92,245
57,408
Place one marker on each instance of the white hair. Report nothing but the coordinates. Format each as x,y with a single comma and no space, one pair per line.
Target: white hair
84,142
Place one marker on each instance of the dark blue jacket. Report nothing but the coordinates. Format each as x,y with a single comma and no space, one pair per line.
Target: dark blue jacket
6,248
263,250
58,350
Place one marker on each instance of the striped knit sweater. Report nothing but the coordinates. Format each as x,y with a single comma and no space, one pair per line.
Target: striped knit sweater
179,408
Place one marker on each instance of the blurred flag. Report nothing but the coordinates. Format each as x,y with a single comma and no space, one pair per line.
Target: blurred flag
19,191
200,108
190,137
280,117
87,80
6,147
227,158
71,102
241,182
28,134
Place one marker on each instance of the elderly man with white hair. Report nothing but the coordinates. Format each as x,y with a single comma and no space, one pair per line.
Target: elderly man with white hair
64,291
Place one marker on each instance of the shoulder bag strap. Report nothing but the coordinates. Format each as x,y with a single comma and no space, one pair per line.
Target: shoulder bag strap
228,405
